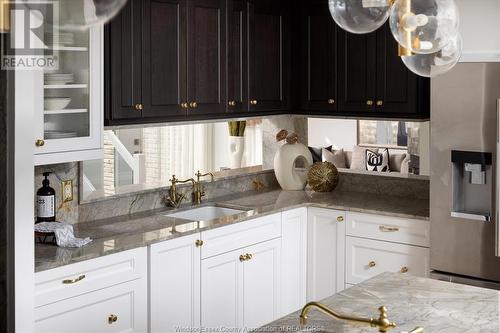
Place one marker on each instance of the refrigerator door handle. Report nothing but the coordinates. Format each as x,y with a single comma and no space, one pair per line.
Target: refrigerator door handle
497,185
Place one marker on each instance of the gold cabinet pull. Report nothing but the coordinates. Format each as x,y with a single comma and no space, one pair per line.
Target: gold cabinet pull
184,105
246,257
404,269
384,228
193,105
380,103
369,102
112,319
331,101
372,264
254,102
340,219
139,107
39,143
232,103
199,243
72,281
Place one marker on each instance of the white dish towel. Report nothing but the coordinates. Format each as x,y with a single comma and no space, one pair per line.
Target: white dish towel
65,236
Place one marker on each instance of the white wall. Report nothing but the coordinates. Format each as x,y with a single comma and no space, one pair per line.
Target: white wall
480,30
340,133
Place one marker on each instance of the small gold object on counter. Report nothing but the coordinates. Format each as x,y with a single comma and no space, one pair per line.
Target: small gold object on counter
281,135
323,177
292,139
258,185
382,323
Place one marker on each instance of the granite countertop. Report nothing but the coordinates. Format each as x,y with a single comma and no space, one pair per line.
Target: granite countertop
137,230
436,306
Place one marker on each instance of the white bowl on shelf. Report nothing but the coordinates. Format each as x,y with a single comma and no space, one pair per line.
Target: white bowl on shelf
56,103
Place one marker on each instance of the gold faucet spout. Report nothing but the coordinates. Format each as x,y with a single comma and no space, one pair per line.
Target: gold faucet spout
174,199
382,322
198,191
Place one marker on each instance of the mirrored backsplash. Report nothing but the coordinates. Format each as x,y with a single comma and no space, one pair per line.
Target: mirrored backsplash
137,159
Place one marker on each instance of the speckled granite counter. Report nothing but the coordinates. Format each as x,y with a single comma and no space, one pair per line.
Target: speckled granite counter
132,231
436,306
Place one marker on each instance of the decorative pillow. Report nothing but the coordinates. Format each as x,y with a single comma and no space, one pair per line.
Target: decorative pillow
358,159
317,154
336,157
377,161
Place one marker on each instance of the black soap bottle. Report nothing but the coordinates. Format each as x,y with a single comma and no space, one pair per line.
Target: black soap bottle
46,201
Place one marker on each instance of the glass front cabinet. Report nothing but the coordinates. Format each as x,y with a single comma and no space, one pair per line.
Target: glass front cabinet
69,119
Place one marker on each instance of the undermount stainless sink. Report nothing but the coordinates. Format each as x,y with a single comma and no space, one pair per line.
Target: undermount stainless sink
206,213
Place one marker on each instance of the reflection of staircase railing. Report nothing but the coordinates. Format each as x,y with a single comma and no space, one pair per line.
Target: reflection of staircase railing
136,162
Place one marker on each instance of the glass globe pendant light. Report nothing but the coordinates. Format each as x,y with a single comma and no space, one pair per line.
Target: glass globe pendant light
434,64
79,15
424,26
360,16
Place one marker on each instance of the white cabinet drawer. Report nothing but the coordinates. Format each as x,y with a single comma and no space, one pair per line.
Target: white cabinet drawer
388,228
68,281
366,258
240,235
93,312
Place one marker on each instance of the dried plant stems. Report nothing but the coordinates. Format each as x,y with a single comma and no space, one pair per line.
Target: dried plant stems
237,128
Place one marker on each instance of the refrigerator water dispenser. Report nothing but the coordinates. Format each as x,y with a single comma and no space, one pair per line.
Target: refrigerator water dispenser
472,185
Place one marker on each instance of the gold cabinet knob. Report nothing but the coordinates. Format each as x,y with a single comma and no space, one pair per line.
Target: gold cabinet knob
369,102
254,102
193,105
139,107
340,219
380,103
331,101
372,264
184,105
199,243
39,143
232,103
112,319
249,256
72,281
404,269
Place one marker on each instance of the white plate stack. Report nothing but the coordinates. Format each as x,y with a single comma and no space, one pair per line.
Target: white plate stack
59,78
54,135
60,39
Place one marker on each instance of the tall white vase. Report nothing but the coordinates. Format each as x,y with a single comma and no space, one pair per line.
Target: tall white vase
236,150
288,176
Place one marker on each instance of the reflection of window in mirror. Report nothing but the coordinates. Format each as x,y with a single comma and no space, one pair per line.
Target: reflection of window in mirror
144,158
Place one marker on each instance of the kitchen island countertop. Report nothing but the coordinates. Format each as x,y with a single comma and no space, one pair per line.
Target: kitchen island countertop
436,306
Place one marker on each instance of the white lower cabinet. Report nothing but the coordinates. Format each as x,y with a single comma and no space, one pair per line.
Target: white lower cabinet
293,260
241,288
325,253
107,294
121,308
366,258
174,285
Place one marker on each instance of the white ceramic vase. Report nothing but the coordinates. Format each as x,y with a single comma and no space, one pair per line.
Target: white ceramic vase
236,150
288,175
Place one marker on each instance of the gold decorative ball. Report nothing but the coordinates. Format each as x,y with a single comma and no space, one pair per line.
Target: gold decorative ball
323,177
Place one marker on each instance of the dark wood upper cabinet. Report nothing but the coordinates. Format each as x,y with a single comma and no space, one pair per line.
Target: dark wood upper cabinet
123,56
206,57
318,58
269,55
237,61
175,60
357,72
398,89
164,58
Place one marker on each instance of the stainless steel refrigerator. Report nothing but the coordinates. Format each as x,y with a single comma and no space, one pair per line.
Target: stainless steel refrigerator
464,175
